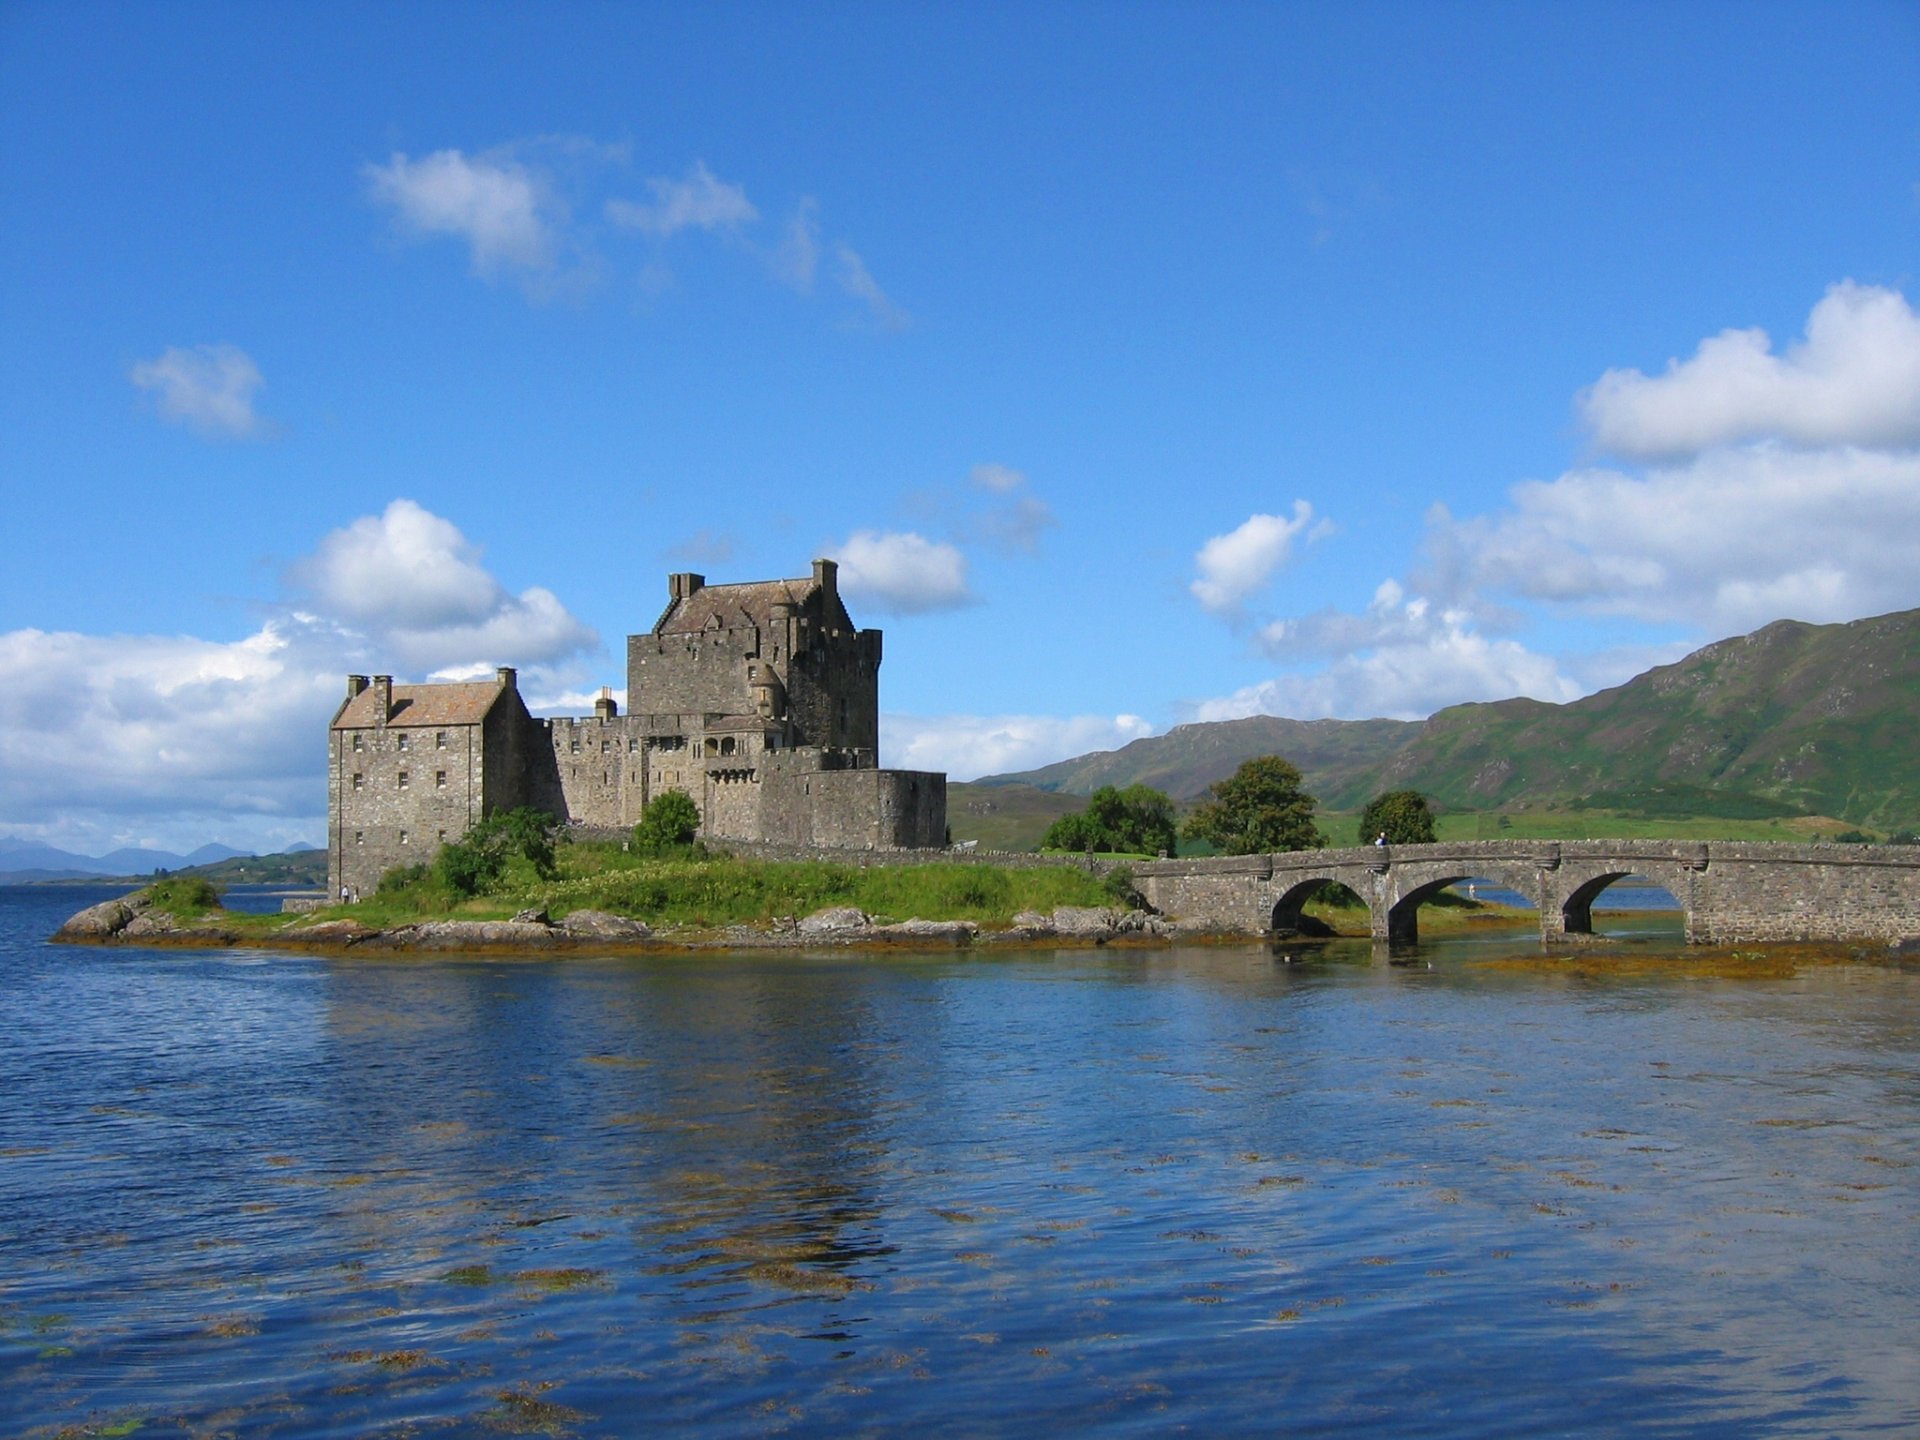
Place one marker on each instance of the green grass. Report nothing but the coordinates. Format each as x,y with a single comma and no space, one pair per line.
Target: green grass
707,891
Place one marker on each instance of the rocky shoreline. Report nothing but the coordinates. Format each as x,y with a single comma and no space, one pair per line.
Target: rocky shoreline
132,920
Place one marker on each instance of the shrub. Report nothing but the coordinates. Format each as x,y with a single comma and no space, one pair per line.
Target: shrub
474,864
671,821
400,878
183,895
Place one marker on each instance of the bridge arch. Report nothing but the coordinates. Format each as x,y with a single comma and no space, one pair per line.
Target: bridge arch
1576,909
1287,916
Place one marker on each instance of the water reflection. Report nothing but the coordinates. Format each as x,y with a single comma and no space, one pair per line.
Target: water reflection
1458,1190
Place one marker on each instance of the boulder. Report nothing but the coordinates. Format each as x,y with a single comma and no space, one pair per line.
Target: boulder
1086,920
834,920
102,921
600,925
951,932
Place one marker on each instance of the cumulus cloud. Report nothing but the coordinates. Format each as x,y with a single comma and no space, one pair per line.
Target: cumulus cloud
1854,380
968,746
171,740
1730,540
902,572
1236,566
493,202
209,388
412,578
699,202
1771,487
1424,664
858,282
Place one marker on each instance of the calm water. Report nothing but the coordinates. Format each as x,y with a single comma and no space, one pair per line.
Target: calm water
1127,1193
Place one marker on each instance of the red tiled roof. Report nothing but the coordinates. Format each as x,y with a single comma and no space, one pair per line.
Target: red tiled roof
458,704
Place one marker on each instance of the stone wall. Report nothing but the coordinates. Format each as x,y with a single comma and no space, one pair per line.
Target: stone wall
1731,892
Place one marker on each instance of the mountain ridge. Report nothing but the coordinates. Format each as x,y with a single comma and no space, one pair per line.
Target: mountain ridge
1792,718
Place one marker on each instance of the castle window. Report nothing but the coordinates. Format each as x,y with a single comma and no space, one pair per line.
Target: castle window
439,779
575,746
439,739
403,779
403,837
358,780
632,745
359,837
356,740
605,746
726,745
400,741
441,836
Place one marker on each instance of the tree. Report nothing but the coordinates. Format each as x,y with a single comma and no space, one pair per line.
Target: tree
1260,808
472,864
1135,821
1403,816
671,820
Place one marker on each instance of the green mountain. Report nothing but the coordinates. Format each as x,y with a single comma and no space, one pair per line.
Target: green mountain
1792,719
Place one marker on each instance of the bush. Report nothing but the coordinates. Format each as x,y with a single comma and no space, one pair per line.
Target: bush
400,878
1135,821
474,864
183,895
670,822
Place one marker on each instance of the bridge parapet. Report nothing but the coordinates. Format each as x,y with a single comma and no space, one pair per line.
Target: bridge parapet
1730,891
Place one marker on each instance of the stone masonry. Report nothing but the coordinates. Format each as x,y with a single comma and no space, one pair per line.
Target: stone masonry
761,701
1732,892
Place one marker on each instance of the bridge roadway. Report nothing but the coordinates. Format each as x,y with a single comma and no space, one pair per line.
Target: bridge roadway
1731,891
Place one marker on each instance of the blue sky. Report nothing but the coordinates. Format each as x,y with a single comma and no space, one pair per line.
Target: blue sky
1140,363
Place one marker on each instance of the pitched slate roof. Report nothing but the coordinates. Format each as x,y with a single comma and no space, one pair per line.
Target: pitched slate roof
739,605
457,704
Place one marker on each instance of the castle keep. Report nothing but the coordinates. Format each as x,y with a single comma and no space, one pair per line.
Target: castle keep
760,701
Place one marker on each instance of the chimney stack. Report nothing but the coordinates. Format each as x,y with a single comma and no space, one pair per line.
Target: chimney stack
355,684
683,584
605,708
506,677
383,695
826,574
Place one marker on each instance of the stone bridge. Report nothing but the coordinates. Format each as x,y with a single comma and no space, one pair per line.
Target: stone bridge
1731,891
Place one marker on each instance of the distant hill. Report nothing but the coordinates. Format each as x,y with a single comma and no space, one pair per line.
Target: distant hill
1792,719
24,862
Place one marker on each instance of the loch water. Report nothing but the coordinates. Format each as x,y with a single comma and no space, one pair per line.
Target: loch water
1220,1190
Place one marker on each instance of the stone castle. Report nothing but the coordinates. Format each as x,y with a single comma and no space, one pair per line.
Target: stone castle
760,701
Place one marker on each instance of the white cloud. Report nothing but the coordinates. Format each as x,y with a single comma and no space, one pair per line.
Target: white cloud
411,578
173,740
858,282
1725,542
903,572
798,257
1235,566
968,746
1789,489
1854,380
699,202
1407,677
209,388
1000,479
494,203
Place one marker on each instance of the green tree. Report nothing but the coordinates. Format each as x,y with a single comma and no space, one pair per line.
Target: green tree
671,819
474,863
1403,816
1259,809
1135,821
